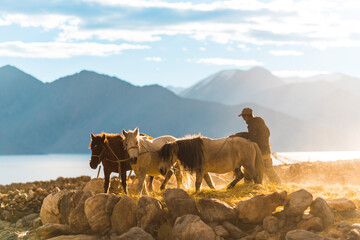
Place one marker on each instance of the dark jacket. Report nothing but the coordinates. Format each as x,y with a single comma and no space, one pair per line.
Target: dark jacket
258,132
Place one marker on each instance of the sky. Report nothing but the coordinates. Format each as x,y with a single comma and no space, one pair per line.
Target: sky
179,42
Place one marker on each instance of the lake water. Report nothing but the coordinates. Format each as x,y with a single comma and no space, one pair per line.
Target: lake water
28,168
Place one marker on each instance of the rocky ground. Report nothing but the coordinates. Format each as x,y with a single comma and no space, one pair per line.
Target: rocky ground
317,200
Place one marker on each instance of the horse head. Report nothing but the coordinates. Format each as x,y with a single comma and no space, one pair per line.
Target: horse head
166,155
96,146
131,144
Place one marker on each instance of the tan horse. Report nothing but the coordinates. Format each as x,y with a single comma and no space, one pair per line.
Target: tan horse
204,155
144,158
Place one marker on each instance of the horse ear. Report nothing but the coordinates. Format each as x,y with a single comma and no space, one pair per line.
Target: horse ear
124,132
136,131
92,136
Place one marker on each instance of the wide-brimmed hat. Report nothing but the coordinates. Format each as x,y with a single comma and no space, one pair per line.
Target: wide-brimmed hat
246,111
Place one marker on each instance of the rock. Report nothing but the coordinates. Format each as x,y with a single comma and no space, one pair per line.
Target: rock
179,203
301,235
110,203
37,223
263,235
191,227
221,231
354,234
321,209
124,215
67,203
50,230
28,220
312,224
334,233
355,225
77,219
213,210
4,225
271,224
96,215
254,210
19,223
234,231
341,204
150,214
344,224
135,233
95,185
75,237
7,235
297,202
50,212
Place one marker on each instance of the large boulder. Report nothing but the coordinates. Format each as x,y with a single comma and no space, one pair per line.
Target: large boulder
191,227
179,203
213,210
254,210
297,202
321,209
301,235
77,219
135,233
50,230
271,224
150,214
124,215
50,212
312,224
234,231
96,215
95,185
67,203
341,204
111,202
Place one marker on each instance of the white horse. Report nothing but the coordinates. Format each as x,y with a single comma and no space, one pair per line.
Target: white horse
204,155
144,158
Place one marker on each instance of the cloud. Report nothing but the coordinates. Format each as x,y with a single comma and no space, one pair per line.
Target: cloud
298,73
319,24
154,59
202,49
181,6
46,21
227,62
285,53
56,50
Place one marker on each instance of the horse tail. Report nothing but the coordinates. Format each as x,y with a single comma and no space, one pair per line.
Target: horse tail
259,164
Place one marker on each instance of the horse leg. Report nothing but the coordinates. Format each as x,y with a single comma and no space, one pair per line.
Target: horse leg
209,180
151,185
166,180
123,180
238,176
141,177
178,175
107,180
199,178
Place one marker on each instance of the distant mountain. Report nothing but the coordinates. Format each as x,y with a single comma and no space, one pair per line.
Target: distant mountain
175,90
58,117
233,86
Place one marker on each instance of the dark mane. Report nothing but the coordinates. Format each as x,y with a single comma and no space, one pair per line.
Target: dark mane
166,151
190,153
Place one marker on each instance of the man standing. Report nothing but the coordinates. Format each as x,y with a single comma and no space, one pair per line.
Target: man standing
258,132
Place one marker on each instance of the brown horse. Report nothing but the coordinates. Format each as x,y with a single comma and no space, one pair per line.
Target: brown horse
108,149
105,153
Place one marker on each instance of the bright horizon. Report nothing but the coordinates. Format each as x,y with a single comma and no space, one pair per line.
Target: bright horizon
179,43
